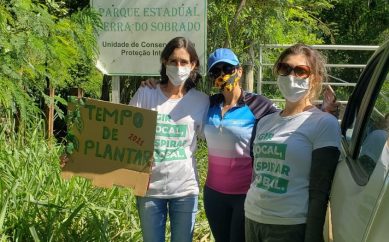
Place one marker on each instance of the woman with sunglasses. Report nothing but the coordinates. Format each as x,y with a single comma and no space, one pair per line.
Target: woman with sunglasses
174,186
232,115
296,151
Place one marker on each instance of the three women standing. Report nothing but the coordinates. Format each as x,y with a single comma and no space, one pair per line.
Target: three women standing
295,152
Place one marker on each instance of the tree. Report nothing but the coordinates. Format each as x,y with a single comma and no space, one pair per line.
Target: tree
39,49
355,22
243,25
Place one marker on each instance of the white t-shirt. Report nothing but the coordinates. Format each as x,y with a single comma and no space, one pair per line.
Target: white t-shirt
174,172
282,152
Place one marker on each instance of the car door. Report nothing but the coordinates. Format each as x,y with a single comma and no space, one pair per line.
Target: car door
359,201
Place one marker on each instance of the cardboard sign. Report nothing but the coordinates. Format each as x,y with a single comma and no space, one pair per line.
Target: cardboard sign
134,33
113,144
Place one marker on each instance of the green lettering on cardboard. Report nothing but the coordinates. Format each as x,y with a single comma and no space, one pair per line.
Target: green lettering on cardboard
106,133
147,156
90,110
124,114
97,154
107,152
119,154
89,144
114,134
113,114
99,114
129,151
138,120
138,157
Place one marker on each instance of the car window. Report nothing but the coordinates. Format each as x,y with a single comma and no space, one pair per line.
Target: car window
365,126
376,131
357,99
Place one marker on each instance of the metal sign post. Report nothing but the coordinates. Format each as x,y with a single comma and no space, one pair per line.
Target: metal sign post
115,89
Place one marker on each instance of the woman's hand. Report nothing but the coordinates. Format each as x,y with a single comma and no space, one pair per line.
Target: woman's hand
150,83
330,104
63,160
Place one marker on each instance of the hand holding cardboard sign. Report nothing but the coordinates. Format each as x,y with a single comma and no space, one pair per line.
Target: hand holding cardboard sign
64,159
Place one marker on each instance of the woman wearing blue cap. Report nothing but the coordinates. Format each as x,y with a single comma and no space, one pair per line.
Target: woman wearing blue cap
231,118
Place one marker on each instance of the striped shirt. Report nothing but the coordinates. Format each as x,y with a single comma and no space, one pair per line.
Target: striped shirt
229,139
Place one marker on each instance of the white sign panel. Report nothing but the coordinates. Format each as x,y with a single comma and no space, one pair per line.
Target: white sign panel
136,31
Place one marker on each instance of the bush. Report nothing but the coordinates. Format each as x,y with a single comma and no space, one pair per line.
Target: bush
38,205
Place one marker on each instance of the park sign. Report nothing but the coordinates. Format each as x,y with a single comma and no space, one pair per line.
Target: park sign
113,144
134,33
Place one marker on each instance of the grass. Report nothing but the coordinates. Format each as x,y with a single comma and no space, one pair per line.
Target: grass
36,204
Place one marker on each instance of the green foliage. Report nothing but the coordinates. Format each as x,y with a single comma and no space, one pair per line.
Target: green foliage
292,21
39,49
36,204
52,42
264,22
74,121
355,22
359,22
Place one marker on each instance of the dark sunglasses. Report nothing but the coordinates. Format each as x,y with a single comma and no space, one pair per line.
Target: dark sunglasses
302,71
227,69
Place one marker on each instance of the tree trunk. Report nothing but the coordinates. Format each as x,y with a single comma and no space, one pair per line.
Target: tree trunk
50,112
249,71
231,28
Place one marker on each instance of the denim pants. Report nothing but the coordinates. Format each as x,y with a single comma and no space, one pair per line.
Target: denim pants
153,215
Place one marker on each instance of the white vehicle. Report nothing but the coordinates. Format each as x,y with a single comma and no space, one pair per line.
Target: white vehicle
359,202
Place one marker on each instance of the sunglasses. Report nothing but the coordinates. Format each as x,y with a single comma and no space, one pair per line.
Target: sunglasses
226,69
302,71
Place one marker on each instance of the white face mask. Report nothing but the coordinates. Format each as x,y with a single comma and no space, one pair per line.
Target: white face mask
293,88
178,75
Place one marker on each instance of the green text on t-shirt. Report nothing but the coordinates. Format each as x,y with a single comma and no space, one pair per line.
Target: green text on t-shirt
269,150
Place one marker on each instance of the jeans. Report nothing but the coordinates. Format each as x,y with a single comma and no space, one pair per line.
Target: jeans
153,214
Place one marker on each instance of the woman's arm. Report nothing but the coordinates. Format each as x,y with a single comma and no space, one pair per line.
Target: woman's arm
324,162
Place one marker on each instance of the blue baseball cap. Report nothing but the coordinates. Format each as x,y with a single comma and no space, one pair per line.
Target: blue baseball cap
222,55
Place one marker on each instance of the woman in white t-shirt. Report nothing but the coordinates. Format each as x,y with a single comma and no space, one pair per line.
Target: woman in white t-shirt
296,151
174,185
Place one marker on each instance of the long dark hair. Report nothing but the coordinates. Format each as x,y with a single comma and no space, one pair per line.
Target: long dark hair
181,42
